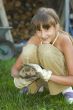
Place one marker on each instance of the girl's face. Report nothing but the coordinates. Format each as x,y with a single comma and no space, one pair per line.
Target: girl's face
46,32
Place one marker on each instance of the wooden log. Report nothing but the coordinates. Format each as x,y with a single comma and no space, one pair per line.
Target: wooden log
20,13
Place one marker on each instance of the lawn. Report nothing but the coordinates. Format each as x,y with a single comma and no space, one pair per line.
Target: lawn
11,99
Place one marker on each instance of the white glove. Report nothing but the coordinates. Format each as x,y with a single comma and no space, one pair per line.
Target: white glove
43,73
46,75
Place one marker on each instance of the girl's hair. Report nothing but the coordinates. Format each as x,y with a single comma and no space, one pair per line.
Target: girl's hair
46,17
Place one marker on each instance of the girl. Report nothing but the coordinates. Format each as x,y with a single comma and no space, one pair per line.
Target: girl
52,49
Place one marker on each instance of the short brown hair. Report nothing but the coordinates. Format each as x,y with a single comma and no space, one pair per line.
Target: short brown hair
45,16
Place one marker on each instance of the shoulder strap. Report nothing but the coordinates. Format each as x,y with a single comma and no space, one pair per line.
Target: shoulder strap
55,38
71,38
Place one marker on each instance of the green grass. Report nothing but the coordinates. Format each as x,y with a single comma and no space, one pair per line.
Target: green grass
11,99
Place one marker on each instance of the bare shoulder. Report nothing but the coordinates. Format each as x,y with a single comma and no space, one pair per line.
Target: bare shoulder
31,39
65,41
67,50
34,40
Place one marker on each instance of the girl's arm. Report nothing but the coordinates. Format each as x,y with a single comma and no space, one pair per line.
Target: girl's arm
63,80
19,62
16,67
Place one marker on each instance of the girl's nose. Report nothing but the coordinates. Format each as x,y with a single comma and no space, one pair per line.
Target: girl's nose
42,34
42,31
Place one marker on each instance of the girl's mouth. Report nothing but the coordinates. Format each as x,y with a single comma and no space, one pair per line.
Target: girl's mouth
44,38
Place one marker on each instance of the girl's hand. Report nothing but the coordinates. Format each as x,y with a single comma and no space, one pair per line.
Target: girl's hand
14,72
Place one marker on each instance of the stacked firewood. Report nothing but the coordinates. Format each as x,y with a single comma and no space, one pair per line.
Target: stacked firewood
19,13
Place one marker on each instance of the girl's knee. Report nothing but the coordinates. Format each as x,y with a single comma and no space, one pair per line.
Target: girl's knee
51,58
29,52
45,50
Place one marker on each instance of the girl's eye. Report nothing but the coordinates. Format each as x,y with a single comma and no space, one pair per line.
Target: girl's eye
46,27
38,28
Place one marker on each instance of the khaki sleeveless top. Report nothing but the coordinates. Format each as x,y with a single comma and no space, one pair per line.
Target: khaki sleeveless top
70,37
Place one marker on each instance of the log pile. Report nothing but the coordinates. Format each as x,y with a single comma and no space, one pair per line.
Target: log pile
19,13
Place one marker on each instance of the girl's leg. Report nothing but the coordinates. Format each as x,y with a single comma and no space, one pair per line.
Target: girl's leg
51,58
29,55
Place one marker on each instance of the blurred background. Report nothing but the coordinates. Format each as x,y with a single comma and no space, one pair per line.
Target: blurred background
20,12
